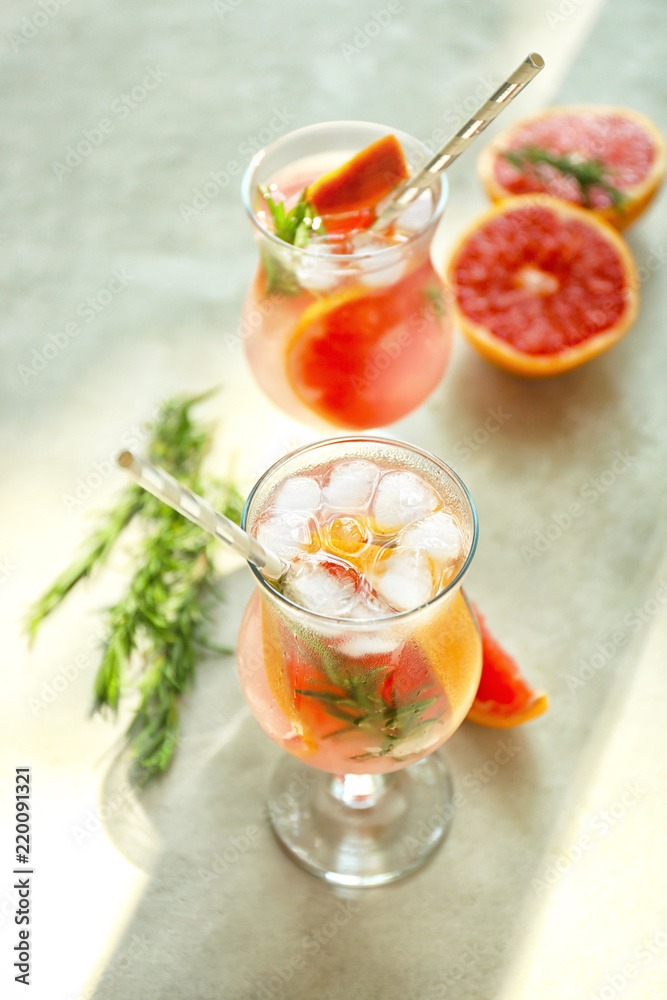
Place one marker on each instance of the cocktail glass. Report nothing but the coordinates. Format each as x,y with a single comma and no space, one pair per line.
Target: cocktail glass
351,339
361,703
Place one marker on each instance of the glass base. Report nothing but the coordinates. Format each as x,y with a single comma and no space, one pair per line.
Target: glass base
361,829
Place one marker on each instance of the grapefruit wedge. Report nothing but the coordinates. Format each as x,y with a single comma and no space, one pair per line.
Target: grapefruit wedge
361,182
541,286
609,159
504,698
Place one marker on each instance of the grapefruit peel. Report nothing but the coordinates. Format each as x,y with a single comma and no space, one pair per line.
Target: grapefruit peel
504,699
362,181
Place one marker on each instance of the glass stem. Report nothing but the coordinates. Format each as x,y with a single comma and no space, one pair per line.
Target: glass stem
358,791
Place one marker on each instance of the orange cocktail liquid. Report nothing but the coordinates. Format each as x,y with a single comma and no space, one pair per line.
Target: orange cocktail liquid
380,670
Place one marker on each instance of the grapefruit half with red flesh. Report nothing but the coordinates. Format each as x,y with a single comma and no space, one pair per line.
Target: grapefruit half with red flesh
549,151
541,286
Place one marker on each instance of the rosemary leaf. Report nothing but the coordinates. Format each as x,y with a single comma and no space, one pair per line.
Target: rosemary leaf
157,633
587,173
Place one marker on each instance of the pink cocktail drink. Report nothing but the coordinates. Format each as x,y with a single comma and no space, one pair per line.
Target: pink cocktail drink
343,327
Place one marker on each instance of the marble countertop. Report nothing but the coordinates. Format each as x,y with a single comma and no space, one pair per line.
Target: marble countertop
124,269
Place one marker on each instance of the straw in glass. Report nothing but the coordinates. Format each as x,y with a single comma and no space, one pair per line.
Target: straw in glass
157,481
485,114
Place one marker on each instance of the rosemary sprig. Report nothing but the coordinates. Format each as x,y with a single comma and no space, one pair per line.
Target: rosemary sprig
157,631
587,173
358,698
294,228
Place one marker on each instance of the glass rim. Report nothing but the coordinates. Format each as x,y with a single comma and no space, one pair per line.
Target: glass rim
395,616
246,184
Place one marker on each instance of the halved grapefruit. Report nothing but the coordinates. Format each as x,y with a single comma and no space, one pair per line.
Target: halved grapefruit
361,182
541,286
503,699
619,156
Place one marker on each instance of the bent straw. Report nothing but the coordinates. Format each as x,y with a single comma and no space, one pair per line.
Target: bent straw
485,114
157,481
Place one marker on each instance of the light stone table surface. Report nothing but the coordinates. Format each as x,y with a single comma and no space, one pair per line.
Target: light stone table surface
553,882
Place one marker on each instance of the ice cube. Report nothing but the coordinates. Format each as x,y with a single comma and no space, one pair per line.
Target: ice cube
370,643
418,214
401,498
438,534
299,493
323,584
350,485
318,270
287,533
404,579
375,276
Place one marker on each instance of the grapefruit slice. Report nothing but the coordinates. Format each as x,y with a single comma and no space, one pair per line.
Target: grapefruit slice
357,357
361,182
503,699
622,148
541,286
282,665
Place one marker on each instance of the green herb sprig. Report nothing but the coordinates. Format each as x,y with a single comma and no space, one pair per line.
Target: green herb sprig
364,699
587,173
158,630
294,228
